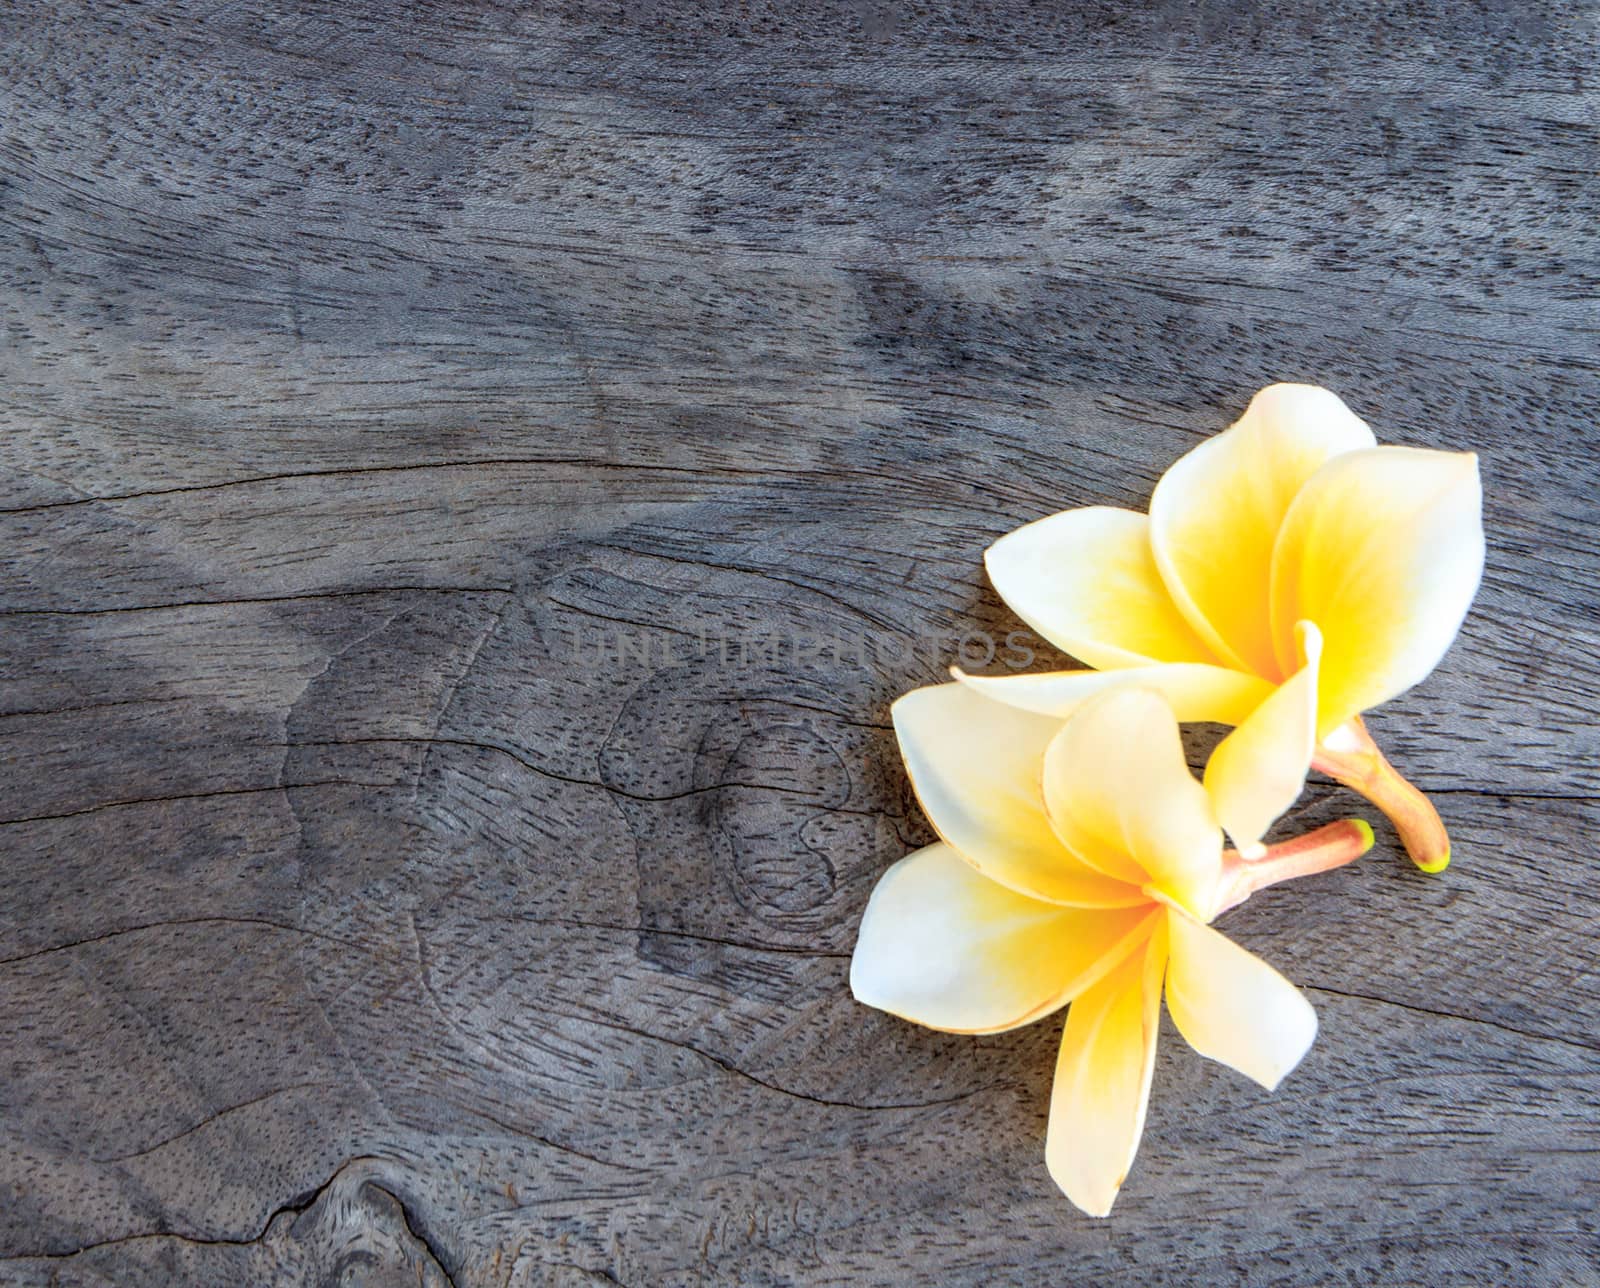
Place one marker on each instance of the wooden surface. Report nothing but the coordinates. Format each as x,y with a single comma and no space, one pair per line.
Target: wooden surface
372,372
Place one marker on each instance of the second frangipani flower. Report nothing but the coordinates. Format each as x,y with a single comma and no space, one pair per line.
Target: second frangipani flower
1290,575
1080,863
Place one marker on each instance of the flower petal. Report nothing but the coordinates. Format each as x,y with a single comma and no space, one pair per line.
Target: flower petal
1119,794
1259,769
945,947
1196,691
1102,1083
1086,581
1215,515
976,766
1231,1006
1383,549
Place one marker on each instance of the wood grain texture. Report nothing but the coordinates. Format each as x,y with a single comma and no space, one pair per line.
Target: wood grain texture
374,375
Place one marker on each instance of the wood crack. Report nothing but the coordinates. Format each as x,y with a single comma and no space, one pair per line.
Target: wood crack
211,1118
523,1133
727,1066
293,1207
260,922
350,471
552,774
417,1233
1591,1048
257,599
190,796
683,934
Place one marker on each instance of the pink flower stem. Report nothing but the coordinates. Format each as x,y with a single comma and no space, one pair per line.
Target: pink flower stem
1355,761
1321,851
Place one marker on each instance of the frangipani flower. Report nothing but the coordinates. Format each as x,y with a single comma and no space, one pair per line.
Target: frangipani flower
1079,862
1290,575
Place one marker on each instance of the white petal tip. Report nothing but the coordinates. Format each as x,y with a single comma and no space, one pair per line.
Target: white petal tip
1273,1075
1272,1079
1091,1200
855,983
861,980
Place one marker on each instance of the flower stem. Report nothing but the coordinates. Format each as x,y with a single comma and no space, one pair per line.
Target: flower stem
1321,851
1348,755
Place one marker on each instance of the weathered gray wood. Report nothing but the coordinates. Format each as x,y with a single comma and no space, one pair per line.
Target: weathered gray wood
371,372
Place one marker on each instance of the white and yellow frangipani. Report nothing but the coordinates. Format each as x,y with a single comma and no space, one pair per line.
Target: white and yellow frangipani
1079,862
1290,575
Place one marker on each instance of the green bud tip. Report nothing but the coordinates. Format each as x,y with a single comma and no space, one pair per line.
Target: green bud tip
1435,865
